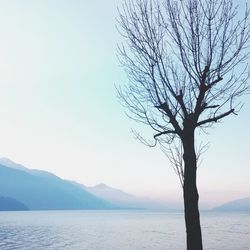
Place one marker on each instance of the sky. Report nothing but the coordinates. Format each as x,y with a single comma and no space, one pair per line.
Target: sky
59,110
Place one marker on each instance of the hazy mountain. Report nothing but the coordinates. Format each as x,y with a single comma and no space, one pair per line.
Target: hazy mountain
115,196
10,204
241,205
9,163
40,190
43,190
122,199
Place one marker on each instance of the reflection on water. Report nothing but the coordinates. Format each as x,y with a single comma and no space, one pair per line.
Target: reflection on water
118,230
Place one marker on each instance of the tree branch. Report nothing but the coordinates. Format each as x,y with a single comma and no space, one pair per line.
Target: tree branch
214,82
215,119
202,90
179,98
164,106
164,133
211,107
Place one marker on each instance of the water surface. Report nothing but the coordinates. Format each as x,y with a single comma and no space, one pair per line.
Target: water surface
118,230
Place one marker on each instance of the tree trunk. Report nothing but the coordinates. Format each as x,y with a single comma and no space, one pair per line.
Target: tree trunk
190,192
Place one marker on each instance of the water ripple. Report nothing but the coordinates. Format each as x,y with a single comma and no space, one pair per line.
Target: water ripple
116,230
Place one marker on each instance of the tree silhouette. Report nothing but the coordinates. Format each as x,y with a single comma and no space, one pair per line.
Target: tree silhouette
187,66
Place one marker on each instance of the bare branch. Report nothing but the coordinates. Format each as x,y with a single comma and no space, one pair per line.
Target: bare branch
186,63
215,119
164,133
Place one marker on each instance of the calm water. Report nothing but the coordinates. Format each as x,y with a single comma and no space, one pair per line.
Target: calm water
118,230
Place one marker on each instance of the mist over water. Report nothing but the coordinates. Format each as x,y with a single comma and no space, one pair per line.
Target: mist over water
118,230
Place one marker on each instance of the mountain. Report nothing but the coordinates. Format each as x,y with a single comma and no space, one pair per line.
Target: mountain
40,190
10,204
241,205
11,164
116,196
123,199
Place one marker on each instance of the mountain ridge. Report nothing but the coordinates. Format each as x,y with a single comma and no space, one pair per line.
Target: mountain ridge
40,190
239,205
10,204
67,194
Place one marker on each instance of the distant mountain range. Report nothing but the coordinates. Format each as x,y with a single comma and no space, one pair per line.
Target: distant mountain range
122,199
117,196
241,205
10,204
22,188
40,190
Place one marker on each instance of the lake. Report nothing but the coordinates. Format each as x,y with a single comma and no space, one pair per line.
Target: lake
118,230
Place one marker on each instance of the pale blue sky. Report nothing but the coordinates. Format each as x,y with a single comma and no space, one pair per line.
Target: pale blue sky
59,111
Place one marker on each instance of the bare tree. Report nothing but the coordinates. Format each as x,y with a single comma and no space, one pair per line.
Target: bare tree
186,61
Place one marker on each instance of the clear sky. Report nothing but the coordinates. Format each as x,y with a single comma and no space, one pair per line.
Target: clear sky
59,110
